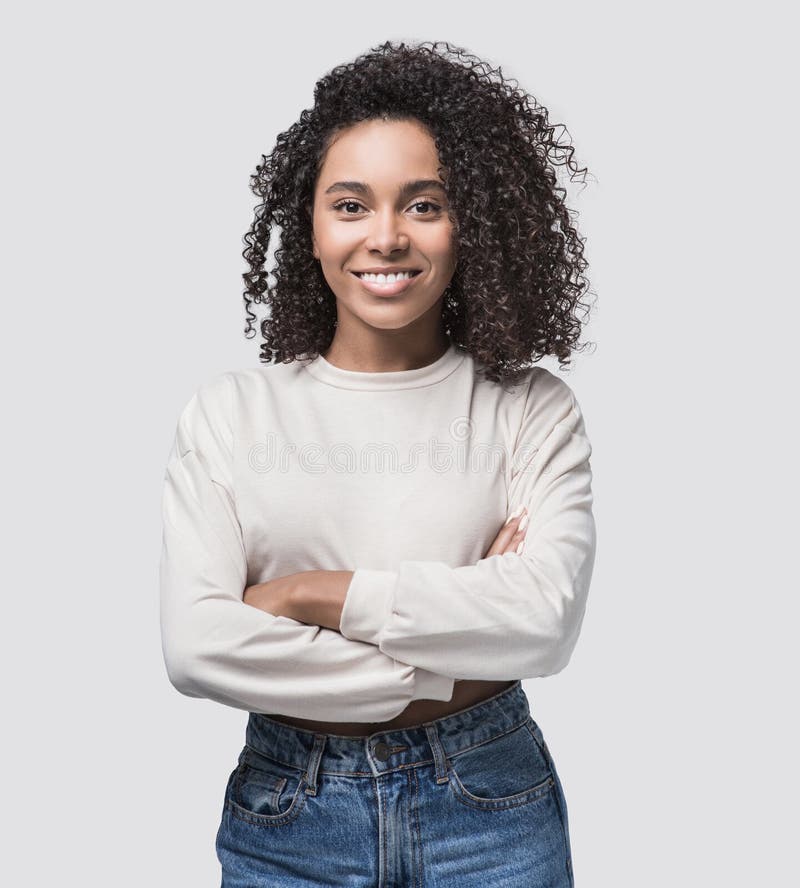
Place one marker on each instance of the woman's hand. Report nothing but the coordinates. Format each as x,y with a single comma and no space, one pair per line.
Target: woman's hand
510,536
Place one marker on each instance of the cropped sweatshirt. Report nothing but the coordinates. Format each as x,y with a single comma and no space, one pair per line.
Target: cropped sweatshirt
403,477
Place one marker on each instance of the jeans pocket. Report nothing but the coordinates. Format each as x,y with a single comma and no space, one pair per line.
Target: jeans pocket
264,791
505,772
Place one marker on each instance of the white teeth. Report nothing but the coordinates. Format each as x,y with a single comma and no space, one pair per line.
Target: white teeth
387,278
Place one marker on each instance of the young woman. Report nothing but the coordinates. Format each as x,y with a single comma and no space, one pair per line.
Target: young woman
370,540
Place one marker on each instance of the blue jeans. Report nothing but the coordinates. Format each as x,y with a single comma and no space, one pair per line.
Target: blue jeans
471,799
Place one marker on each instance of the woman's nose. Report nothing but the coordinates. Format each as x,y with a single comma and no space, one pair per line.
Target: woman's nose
387,233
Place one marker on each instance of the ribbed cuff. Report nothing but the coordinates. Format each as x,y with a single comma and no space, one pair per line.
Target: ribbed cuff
432,686
368,605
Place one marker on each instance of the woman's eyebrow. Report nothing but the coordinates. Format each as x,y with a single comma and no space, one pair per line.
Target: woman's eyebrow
406,190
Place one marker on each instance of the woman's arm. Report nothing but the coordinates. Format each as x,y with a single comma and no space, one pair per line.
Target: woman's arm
317,596
512,616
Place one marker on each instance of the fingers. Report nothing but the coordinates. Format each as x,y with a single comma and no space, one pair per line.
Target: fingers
511,535
516,544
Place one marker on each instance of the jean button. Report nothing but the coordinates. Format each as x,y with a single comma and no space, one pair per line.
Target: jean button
381,751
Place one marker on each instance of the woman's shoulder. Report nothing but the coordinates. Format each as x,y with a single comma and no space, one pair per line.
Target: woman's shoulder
531,384
219,397
535,401
228,383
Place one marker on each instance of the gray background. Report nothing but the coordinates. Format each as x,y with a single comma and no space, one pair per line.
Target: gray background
130,134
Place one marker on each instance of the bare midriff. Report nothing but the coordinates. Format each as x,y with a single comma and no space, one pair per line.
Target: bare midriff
466,693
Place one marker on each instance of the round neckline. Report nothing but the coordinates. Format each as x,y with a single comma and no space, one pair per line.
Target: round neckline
388,380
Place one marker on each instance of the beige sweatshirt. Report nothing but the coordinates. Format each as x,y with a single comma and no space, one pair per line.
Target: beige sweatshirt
403,477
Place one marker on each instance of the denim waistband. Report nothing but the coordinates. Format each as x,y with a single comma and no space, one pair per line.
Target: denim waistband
384,751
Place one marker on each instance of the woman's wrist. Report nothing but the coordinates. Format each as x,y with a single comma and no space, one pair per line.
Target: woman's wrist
318,598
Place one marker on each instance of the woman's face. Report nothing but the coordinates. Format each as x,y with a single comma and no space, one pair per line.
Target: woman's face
378,207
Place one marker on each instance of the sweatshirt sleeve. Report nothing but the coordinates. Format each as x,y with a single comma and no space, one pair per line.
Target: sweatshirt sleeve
217,647
509,616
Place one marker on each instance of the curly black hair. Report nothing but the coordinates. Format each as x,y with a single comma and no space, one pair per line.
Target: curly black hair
519,274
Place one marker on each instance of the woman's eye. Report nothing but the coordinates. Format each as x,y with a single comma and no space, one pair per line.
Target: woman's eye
427,203
345,203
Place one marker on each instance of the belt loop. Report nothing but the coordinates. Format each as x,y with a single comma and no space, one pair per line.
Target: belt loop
439,758
313,763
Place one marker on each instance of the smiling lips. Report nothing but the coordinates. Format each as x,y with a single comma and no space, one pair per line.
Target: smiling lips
387,285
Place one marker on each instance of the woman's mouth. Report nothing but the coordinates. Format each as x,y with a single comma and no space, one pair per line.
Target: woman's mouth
387,284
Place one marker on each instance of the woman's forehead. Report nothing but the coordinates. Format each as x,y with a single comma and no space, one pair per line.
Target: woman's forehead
382,146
